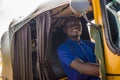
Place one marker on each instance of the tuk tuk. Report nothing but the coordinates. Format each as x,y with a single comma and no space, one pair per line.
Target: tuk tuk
29,47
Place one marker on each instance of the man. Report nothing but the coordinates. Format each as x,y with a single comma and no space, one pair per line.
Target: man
77,56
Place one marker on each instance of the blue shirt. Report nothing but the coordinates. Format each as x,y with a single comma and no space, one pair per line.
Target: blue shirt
71,50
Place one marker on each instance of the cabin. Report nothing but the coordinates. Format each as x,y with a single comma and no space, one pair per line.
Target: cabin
29,47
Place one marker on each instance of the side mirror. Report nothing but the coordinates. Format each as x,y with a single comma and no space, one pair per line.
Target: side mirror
79,6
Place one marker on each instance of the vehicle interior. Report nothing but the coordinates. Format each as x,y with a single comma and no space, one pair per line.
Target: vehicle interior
58,37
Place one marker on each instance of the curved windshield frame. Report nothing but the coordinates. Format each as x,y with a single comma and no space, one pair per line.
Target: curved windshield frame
111,22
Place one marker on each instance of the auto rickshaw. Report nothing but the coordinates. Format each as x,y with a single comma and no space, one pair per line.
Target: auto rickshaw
29,47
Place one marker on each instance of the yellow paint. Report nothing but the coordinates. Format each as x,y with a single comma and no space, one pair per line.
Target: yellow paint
112,61
97,12
113,78
64,78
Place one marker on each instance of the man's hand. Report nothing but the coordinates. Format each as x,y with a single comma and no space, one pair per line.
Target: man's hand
86,68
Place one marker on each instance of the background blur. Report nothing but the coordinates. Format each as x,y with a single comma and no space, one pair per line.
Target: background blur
15,9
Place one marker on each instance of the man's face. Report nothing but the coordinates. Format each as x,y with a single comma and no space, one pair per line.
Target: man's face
73,29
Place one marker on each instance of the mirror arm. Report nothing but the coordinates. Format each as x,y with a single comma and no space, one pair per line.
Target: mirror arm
97,26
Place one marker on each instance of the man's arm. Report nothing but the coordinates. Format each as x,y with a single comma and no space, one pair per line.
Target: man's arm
86,68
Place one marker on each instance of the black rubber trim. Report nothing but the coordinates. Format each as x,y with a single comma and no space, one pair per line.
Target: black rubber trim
108,74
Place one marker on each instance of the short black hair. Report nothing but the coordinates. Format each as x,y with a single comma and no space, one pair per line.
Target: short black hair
70,19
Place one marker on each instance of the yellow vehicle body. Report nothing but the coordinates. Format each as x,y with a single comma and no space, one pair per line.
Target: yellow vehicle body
112,60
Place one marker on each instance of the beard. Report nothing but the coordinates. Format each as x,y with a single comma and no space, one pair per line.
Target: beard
75,35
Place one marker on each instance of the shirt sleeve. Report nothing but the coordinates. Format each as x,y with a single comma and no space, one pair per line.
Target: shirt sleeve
66,55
